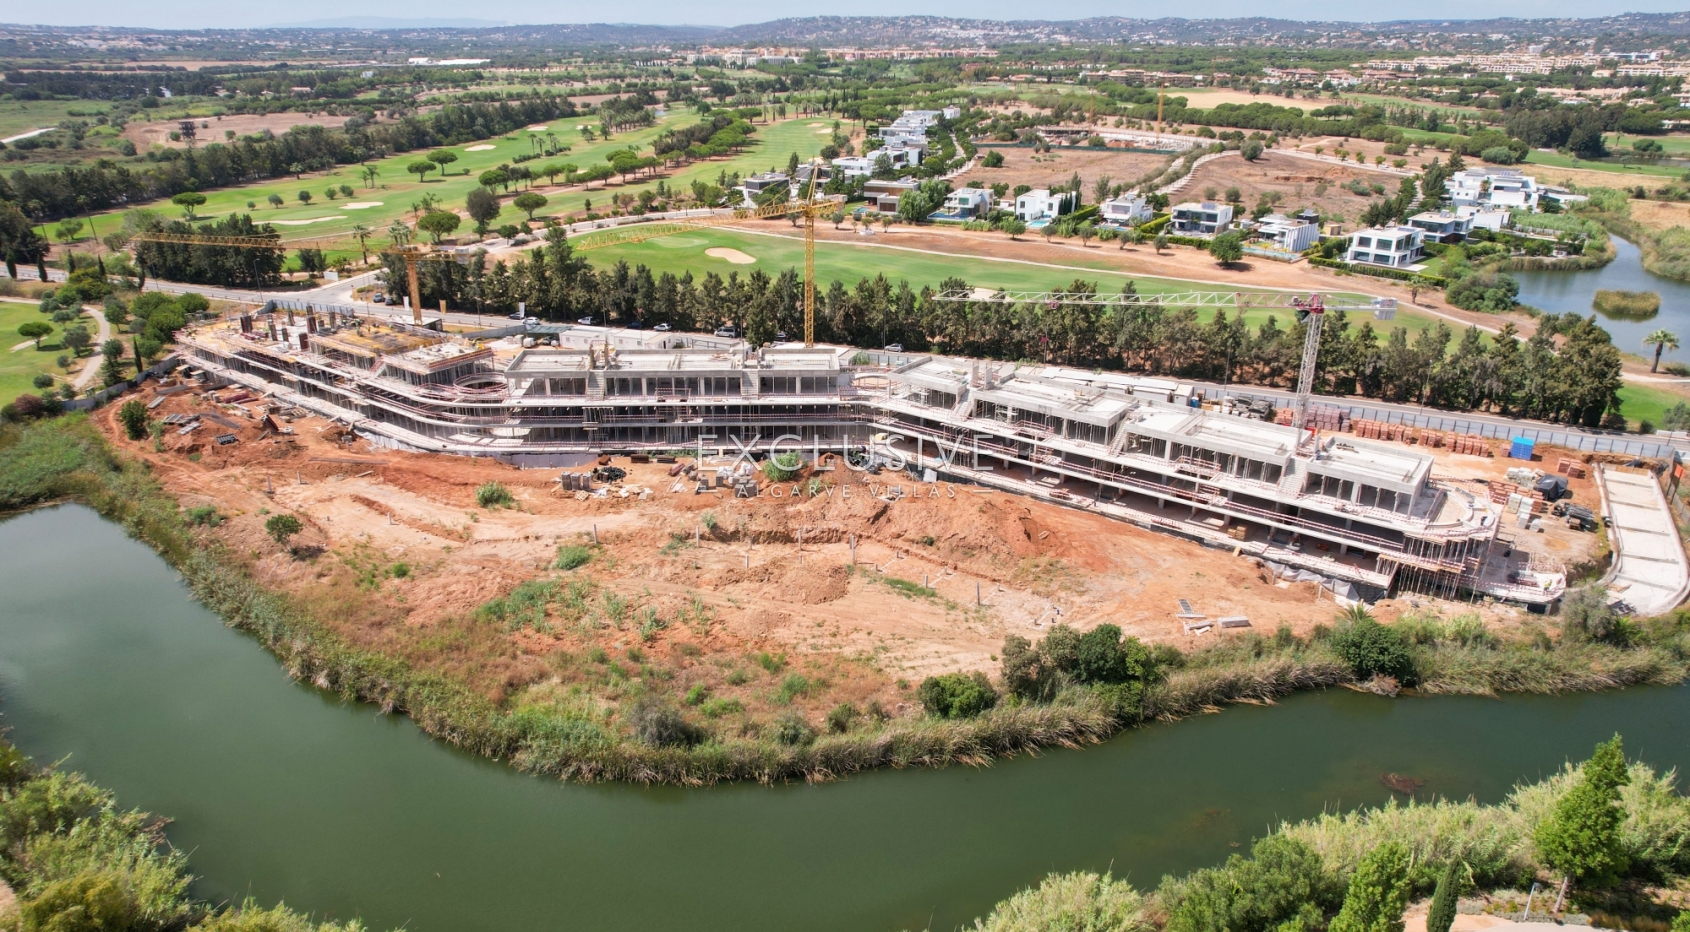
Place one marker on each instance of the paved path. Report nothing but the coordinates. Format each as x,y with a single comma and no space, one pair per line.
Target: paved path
92,369
1650,571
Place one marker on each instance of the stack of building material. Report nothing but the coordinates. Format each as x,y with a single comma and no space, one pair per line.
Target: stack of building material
1471,444
1572,469
1431,438
1381,430
1324,417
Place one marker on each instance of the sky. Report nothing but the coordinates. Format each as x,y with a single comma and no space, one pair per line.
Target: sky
198,14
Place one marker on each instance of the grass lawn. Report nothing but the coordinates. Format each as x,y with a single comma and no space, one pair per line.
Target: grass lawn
685,252
1557,160
1646,402
21,116
396,191
17,369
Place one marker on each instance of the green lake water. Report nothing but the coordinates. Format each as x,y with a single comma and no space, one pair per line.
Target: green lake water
281,792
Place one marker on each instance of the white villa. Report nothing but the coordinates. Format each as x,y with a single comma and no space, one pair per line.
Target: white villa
1397,246
1126,210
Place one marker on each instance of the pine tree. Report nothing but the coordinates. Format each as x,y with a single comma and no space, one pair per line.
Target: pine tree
1378,892
1581,838
1444,898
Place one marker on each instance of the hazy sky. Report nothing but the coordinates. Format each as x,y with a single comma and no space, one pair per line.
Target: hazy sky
192,14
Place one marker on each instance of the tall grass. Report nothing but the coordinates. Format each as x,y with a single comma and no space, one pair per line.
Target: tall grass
1494,842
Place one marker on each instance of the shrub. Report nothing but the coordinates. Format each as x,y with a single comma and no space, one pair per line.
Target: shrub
1492,292
133,417
1371,649
957,695
840,718
1077,901
1378,892
659,724
1282,881
794,686
42,380
1499,155
573,556
716,708
1025,672
282,527
204,516
791,730
1102,656
782,467
993,159
494,495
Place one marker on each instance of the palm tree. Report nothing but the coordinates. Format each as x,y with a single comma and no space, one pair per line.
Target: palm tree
399,233
363,233
1660,339
370,173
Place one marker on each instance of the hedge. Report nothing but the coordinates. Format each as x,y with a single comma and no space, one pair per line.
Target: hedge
1379,271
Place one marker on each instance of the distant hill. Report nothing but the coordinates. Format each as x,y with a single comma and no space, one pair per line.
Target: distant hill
387,22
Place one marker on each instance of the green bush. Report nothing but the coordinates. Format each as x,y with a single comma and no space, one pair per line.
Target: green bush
957,695
1081,902
573,556
494,495
659,724
1491,292
1283,880
791,730
1371,649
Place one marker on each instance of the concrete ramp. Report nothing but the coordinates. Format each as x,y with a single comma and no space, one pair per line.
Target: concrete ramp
1650,571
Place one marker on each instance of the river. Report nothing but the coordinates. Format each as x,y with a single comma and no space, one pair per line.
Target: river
1560,292
287,794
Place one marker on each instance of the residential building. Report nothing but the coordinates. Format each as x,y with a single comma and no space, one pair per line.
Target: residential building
1493,187
1443,226
883,195
1286,234
763,181
1126,210
966,204
1205,219
1493,219
1040,204
854,166
1397,246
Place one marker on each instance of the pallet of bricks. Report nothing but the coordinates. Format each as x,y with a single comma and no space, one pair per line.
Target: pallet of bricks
1471,444
1381,430
1332,420
1508,494
1572,469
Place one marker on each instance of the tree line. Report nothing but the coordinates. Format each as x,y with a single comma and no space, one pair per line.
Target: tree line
74,190
1568,371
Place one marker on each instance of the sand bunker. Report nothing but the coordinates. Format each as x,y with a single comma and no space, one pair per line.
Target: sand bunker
538,128
732,255
480,148
818,124
300,223
360,205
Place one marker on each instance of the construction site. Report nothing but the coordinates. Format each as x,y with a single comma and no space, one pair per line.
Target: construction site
1317,502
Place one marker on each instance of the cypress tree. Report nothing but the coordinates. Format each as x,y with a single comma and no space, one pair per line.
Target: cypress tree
1581,838
1444,897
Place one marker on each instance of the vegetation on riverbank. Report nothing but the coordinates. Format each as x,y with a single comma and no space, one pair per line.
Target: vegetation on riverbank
1631,305
1665,252
75,861
1631,831
1070,689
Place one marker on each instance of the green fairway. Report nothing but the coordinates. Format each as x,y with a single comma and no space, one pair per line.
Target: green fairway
1557,160
1647,403
396,192
847,263
17,369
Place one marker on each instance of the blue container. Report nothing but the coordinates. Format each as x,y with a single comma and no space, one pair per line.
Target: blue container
1521,448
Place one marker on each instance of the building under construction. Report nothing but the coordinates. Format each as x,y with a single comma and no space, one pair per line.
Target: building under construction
1364,517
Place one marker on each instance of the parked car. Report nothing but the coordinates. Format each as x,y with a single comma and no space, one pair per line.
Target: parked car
378,298
518,316
894,347
730,332
661,328
586,320
781,337
634,325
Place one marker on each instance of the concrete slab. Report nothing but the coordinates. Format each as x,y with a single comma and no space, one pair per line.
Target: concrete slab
1650,572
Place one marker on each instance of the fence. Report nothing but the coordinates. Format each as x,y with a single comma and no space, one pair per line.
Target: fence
1572,439
156,370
